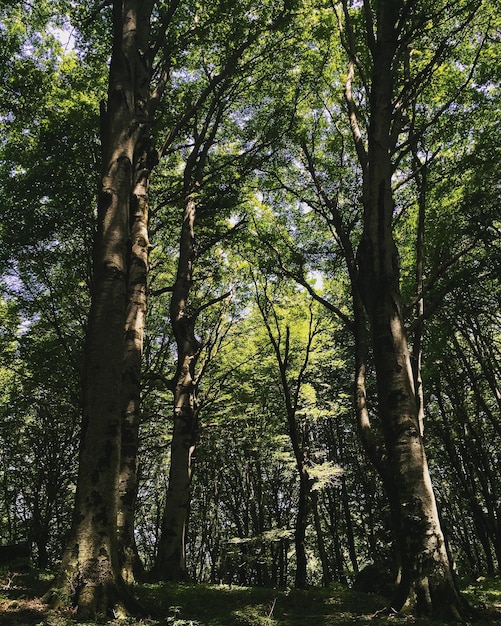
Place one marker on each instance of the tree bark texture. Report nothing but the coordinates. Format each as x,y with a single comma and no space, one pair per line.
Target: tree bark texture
90,574
170,563
130,562
425,569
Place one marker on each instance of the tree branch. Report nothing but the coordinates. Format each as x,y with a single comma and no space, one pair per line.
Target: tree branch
210,303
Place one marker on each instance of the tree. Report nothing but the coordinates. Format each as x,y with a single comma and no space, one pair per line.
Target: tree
45,265
90,567
387,117
280,339
212,178
171,562
425,566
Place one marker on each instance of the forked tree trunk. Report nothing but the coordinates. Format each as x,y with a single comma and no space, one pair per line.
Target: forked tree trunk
90,575
426,577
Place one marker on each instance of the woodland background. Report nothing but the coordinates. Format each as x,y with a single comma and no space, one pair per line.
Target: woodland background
260,116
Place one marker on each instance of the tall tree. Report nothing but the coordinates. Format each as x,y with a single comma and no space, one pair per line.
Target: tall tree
171,561
90,566
212,178
280,338
389,108
425,566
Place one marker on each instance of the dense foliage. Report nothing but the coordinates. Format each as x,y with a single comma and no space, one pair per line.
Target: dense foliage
261,128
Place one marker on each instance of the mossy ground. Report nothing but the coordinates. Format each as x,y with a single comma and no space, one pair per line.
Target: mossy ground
206,605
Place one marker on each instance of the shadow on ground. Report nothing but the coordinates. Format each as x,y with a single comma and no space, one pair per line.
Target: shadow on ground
222,605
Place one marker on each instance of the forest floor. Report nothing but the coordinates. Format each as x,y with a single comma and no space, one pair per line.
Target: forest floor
222,605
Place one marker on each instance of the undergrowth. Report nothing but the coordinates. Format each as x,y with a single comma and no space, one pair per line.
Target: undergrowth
222,605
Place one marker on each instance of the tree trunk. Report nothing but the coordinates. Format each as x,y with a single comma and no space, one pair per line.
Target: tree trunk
170,563
130,563
350,535
425,568
300,529
90,575
297,432
90,563
400,459
322,552
39,535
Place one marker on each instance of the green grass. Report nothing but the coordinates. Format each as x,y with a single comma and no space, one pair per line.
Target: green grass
220,605
245,606
485,592
205,605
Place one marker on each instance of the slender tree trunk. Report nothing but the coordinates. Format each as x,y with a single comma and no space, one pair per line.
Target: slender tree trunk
130,563
297,432
300,529
171,560
170,563
90,573
326,575
350,536
332,522
417,350
39,535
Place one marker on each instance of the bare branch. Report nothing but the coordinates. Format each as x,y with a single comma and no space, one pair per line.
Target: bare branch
210,303
161,291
